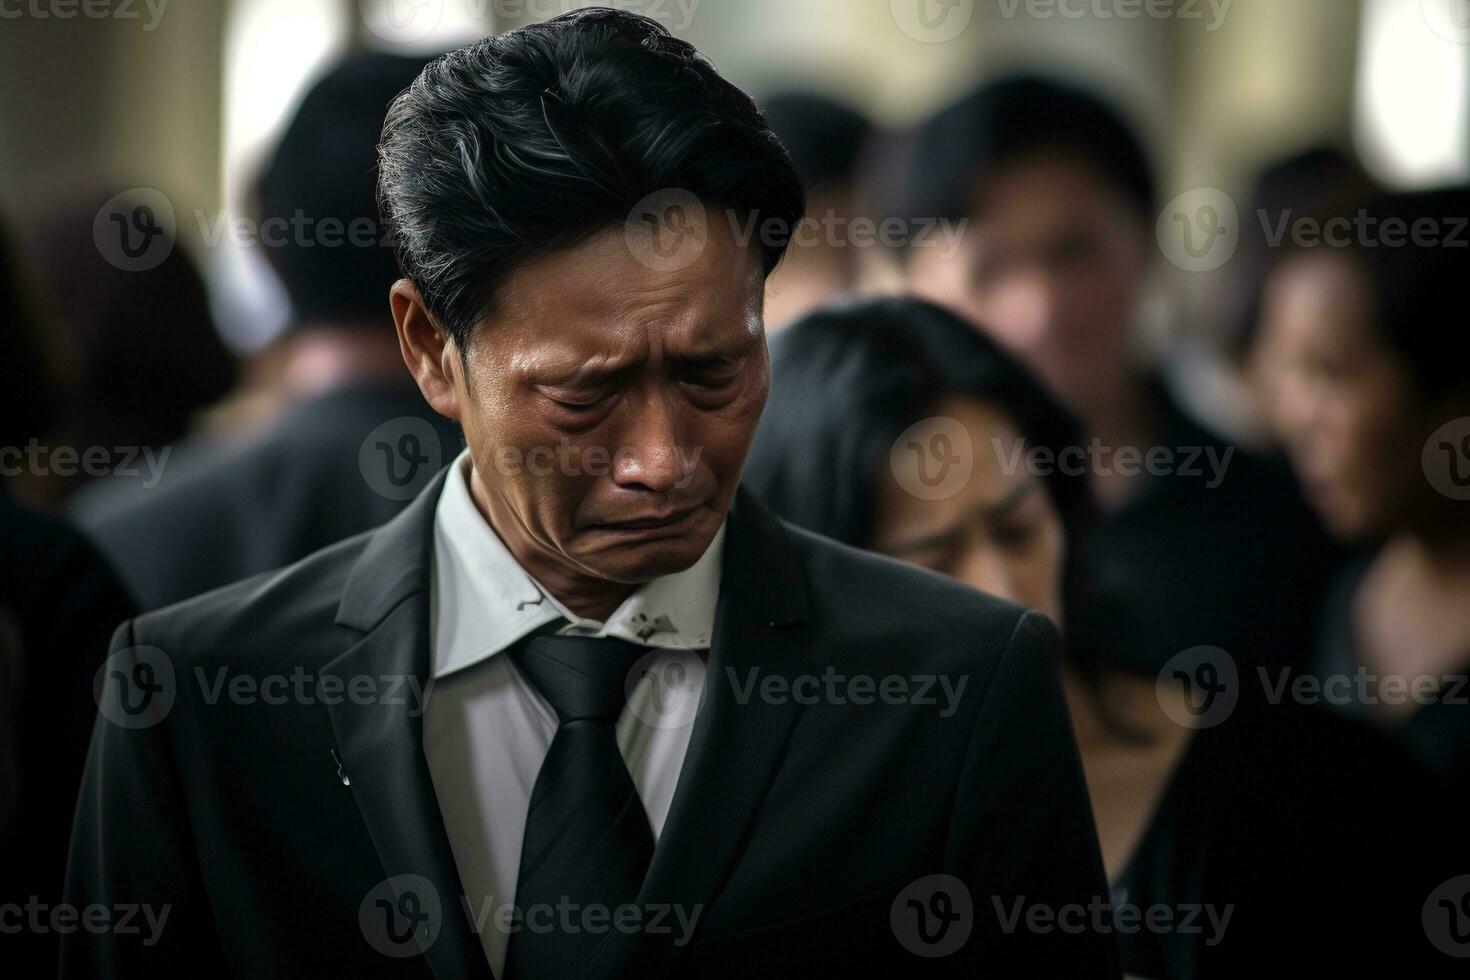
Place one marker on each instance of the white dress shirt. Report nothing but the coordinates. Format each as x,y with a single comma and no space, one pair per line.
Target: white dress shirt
487,730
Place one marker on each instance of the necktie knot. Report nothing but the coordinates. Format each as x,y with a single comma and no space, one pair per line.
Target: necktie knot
582,677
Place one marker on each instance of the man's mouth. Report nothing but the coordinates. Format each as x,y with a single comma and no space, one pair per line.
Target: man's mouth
651,521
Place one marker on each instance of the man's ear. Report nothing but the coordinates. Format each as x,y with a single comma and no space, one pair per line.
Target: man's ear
430,353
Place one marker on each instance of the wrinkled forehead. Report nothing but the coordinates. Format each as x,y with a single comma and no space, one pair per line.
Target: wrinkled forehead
600,300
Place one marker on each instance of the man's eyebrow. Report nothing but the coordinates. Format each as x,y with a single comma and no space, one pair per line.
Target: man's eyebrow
716,354
597,371
603,369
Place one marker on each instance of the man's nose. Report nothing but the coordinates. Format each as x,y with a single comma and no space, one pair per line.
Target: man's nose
650,457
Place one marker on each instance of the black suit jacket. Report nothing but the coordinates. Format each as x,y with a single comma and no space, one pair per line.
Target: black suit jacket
223,511
794,831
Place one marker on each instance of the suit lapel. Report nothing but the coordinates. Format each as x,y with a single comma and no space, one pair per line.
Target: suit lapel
381,745
738,737
735,747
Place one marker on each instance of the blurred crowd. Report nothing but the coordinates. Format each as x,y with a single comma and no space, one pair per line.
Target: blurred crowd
1266,606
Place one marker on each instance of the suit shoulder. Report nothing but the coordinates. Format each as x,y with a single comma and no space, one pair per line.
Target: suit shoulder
885,597
266,616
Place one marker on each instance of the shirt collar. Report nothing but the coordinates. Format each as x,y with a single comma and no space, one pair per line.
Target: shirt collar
483,601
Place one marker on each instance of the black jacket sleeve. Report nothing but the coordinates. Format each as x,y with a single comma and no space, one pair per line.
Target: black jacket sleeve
1040,895
132,853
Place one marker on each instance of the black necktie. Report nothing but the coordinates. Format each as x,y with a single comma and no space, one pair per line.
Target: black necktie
588,841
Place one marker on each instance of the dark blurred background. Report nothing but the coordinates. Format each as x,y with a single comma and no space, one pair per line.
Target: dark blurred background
187,99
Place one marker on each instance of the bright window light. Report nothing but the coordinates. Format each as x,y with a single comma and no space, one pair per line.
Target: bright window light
1413,99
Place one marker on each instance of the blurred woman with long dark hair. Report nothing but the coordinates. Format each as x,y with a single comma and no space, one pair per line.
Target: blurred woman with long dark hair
1273,822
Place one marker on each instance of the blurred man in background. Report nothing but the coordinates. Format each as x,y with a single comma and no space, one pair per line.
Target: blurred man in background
1060,198
355,441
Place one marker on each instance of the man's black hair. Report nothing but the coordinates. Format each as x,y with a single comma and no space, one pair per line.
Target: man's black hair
535,140
1013,120
319,190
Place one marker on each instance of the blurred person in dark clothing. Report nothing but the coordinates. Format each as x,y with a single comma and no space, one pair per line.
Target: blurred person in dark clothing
826,139
1315,183
59,605
1290,828
147,356
356,441
1213,543
1374,406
